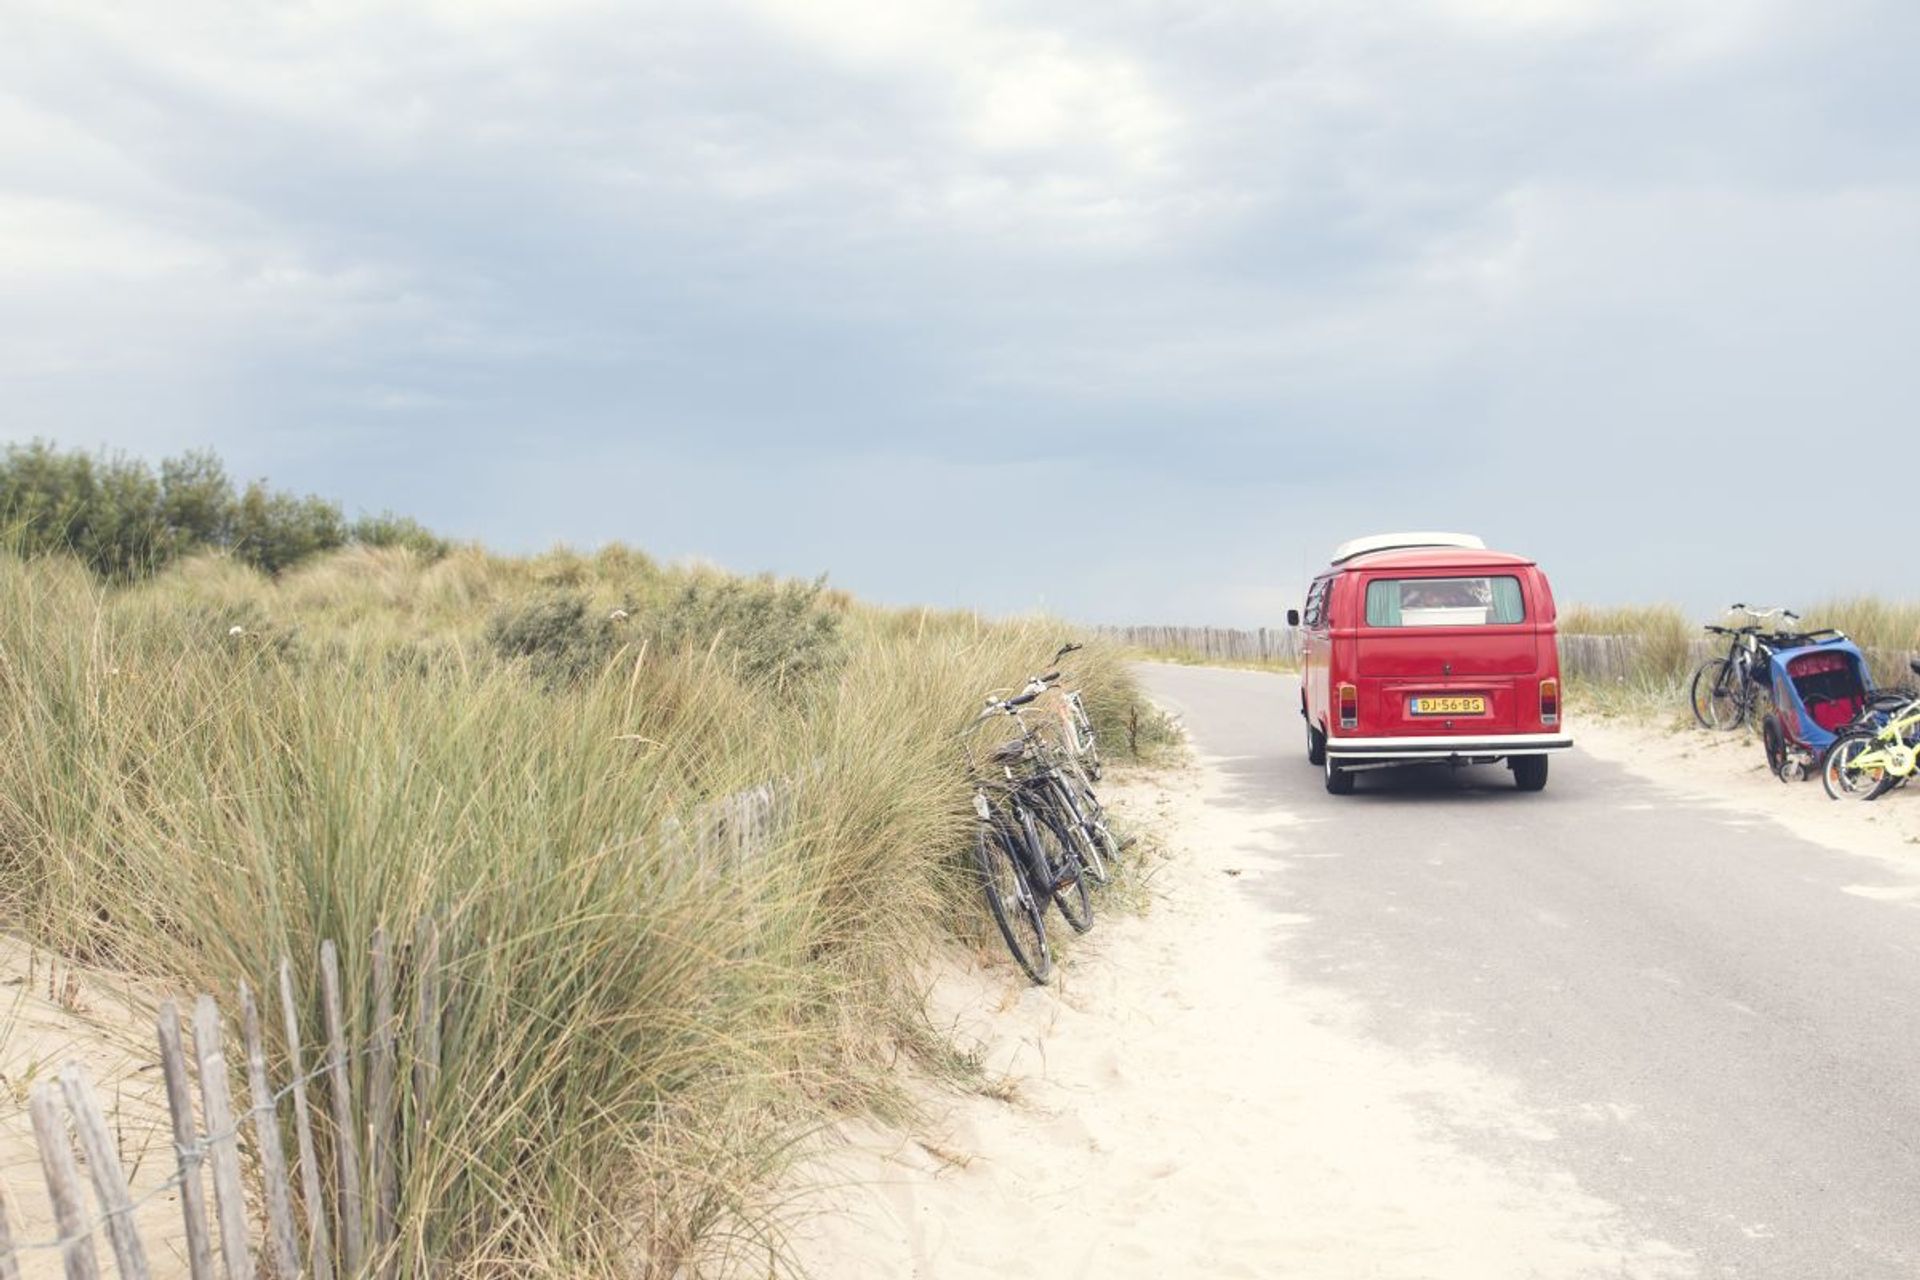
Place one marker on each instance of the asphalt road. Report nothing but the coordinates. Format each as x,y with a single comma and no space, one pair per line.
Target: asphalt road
1721,1038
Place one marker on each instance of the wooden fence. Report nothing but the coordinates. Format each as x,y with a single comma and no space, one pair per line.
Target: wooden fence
344,1223
1210,644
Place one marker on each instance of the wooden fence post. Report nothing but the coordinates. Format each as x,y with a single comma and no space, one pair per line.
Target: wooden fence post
223,1141
319,1238
281,1243
186,1144
380,1154
426,1028
345,1141
63,1184
109,1180
9,1265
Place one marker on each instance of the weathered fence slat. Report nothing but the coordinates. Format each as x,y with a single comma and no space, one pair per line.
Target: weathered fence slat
319,1238
346,1142
380,1097
109,1180
282,1245
9,1265
63,1184
426,1023
223,1140
193,1192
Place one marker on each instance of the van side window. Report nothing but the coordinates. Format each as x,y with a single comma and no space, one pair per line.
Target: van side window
1316,612
1445,602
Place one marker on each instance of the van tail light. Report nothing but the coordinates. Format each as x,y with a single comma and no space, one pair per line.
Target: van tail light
1549,702
1349,707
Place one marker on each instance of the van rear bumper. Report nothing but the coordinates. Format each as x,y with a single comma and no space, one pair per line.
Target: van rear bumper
1443,748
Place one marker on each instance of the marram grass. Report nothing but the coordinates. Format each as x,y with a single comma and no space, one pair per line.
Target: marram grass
201,773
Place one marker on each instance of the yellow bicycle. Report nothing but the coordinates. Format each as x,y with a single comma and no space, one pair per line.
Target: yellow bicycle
1867,761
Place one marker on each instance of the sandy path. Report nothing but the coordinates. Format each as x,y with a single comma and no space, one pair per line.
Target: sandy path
1729,771
1180,1108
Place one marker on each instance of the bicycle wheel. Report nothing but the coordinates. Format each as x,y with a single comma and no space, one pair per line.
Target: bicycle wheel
1846,780
1719,698
1012,902
1070,892
1086,746
1094,814
1059,800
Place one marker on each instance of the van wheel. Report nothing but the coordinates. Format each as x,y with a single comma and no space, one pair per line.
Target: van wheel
1529,772
1316,745
1339,781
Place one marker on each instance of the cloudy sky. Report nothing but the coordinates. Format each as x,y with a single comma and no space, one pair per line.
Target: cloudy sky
1122,308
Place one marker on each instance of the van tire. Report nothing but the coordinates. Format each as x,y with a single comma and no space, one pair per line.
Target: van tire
1316,745
1339,781
1529,772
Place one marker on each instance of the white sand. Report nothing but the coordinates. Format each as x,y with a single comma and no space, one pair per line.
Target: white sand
51,1015
1729,771
1180,1107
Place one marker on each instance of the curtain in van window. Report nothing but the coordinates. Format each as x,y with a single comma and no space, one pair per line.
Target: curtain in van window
1383,603
1507,605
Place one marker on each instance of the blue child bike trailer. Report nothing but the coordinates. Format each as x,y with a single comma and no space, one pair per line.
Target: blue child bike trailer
1819,687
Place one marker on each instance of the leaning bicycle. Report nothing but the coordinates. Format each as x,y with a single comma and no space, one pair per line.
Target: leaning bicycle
1725,690
1060,776
1027,857
1879,752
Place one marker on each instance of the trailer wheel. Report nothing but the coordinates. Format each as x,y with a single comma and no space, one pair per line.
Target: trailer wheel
1775,741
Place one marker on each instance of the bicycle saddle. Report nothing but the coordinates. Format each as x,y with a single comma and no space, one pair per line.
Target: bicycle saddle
1913,665
1009,751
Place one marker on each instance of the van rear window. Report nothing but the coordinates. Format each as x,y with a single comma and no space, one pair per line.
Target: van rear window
1444,602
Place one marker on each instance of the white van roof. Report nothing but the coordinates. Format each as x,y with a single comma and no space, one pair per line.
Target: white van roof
1398,541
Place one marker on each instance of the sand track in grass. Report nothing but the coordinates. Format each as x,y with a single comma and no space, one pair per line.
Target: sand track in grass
1180,1107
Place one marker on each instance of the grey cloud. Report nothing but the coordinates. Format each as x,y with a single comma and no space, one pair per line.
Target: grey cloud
1211,286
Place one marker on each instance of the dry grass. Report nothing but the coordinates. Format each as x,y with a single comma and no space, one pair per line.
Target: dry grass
639,1035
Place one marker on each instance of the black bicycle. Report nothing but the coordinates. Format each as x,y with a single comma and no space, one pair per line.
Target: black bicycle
1026,854
1059,774
1725,690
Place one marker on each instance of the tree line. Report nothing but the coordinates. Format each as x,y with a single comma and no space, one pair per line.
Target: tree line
125,519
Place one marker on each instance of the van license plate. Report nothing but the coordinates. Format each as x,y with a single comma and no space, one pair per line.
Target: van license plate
1450,706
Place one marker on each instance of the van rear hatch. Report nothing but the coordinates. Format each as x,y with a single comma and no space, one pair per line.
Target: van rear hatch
1446,654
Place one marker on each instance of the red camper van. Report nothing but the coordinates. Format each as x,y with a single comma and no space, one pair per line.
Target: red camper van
1419,648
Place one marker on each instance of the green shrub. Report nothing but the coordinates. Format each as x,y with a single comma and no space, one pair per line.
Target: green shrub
556,636
124,522
776,633
390,530
106,510
275,531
